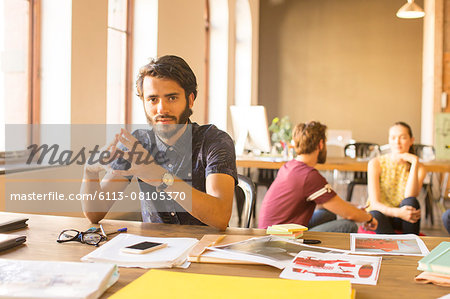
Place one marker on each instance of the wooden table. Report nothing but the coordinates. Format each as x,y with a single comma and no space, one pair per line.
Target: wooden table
396,277
333,163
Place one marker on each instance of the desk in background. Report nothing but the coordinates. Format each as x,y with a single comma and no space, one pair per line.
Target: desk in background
396,276
333,163
349,164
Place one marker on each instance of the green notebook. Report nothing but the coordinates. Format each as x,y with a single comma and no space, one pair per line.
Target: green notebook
438,260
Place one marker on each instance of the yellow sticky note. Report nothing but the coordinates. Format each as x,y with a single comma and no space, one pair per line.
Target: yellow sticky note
163,284
290,227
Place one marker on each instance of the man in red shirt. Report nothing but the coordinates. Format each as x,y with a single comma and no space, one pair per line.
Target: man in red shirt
299,187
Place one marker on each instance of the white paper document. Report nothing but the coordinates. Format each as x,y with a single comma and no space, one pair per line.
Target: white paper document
45,279
174,255
270,250
407,244
308,265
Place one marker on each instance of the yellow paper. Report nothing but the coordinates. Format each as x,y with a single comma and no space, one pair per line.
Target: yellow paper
167,284
291,227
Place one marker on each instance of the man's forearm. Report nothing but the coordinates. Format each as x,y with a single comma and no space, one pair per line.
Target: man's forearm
362,216
93,209
209,209
216,213
346,210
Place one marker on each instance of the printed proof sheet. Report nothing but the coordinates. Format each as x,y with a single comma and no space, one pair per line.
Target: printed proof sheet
308,265
387,244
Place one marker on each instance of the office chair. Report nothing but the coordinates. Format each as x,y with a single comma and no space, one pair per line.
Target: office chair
266,177
424,152
245,194
362,150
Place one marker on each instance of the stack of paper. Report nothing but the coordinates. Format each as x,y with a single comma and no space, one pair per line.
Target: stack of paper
153,284
174,255
287,231
436,266
45,279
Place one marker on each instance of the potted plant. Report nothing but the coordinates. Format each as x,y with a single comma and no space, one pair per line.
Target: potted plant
281,130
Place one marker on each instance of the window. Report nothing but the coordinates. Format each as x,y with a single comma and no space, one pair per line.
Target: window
231,57
243,58
55,62
117,65
17,25
218,63
145,31
128,19
35,46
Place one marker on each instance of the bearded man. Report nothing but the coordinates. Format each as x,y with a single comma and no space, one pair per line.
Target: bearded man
186,172
299,188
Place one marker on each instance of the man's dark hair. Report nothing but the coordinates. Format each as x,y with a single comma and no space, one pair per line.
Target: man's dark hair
169,67
307,136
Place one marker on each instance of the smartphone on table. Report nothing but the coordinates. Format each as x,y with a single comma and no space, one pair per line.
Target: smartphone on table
143,247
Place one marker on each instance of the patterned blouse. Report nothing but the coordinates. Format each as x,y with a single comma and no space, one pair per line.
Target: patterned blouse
393,179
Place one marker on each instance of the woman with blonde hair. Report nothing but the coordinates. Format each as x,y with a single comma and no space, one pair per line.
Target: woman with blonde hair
394,182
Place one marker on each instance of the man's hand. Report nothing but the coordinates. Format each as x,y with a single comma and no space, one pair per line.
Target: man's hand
95,168
409,214
141,160
372,225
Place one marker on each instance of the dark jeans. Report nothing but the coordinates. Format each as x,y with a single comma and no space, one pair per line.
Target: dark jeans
388,225
321,216
446,220
325,221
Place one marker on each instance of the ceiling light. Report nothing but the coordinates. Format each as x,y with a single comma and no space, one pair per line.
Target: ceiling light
410,11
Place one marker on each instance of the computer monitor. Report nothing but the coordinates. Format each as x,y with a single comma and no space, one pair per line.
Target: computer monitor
339,137
250,128
336,141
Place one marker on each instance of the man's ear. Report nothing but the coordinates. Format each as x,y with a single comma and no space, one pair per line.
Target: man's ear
321,144
191,100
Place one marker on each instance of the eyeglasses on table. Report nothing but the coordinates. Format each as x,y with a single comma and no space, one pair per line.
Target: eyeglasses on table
90,237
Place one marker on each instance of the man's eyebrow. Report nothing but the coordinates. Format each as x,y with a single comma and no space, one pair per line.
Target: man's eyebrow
166,95
172,94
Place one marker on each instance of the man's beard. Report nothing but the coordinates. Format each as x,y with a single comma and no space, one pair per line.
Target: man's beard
166,131
322,158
